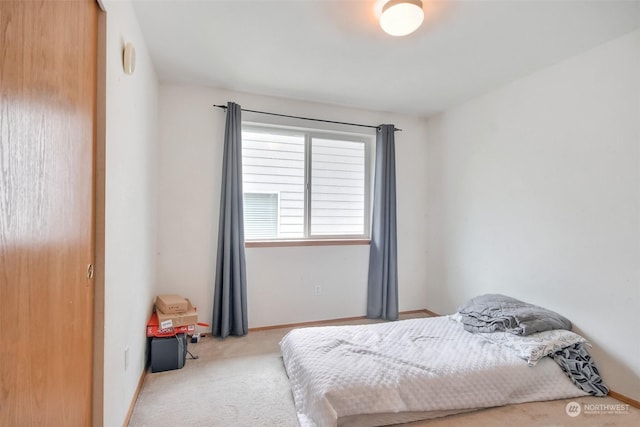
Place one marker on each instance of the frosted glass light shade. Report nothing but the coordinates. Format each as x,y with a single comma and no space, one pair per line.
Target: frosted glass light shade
401,17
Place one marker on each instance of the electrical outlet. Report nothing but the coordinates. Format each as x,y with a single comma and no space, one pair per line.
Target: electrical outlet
126,358
317,290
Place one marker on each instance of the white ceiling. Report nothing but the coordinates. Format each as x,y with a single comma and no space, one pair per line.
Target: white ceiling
334,51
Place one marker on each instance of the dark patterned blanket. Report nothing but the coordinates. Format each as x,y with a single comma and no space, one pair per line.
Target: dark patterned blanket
576,362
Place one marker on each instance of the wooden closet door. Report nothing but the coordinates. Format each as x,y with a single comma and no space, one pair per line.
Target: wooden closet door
48,53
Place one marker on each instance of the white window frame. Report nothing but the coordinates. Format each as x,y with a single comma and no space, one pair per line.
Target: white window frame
309,134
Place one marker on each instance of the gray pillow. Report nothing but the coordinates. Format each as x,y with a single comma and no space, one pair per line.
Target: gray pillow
495,312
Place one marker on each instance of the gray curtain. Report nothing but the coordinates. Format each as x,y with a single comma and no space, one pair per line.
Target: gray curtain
382,291
230,292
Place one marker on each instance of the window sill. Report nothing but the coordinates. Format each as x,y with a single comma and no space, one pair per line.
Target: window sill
318,242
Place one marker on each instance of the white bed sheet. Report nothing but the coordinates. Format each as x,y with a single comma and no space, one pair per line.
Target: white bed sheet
346,374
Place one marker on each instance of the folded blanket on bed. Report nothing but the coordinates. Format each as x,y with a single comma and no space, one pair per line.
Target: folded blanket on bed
495,312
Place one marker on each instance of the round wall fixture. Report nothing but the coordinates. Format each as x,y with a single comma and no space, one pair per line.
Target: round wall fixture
129,58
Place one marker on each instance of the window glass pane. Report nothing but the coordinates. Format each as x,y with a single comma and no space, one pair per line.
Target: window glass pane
337,187
260,215
274,164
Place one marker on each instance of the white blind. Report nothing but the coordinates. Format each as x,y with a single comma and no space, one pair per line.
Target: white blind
260,215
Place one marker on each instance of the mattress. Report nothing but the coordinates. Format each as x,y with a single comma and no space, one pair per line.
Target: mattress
407,370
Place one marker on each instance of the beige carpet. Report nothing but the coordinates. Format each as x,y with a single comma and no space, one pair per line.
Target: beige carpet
242,382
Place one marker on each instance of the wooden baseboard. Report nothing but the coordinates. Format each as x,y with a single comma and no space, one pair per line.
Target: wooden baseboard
422,310
134,399
322,322
624,399
431,313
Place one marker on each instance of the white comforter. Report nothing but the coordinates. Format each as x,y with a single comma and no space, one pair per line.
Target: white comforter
340,372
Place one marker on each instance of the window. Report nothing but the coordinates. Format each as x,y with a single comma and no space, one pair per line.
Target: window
305,184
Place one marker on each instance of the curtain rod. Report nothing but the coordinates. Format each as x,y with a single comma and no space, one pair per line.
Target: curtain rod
224,107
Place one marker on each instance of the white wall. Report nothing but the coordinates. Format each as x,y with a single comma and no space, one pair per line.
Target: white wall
130,217
280,280
534,192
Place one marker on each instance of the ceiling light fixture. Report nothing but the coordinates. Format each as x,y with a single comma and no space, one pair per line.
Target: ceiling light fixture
401,17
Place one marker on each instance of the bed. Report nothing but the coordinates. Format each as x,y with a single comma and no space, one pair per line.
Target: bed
409,370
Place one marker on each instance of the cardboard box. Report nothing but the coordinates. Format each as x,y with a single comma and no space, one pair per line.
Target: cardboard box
173,320
170,304
154,329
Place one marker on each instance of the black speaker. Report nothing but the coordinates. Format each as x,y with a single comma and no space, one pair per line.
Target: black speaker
168,353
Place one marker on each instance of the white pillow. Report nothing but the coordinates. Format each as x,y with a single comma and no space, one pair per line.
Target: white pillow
456,317
534,347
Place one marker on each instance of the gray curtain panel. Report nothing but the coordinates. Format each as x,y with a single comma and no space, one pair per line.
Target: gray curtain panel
382,292
230,292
